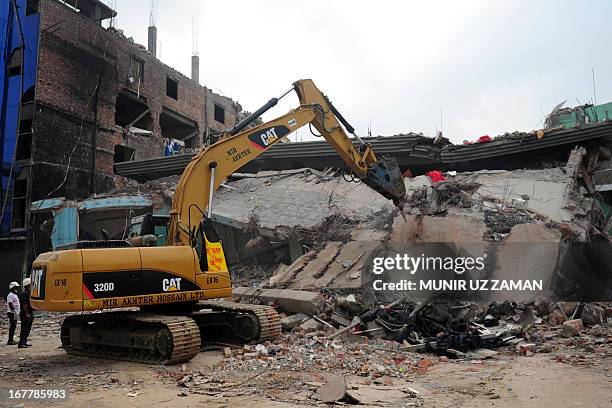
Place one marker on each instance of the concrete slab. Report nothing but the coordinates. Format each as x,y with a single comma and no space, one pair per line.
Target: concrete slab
545,189
530,252
318,265
292,301
340,270
281,203
451,228
289,322
287,274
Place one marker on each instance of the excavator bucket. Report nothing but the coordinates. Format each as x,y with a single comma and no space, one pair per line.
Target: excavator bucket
386,178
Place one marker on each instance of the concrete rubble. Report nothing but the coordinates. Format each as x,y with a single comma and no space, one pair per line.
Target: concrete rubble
292,301
331,246
365,370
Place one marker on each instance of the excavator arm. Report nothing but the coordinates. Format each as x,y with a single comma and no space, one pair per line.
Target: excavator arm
211,167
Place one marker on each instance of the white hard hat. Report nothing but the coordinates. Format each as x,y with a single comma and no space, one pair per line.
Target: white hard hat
13,285
26,281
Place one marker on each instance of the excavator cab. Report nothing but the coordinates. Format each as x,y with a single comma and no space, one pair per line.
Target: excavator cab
152,230
149,225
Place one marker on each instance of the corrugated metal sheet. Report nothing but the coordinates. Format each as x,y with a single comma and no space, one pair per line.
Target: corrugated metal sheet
580,115
115,202
43,205
522,142
65,226
410,151
414,148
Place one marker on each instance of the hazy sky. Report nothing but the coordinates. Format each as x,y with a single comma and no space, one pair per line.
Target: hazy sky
489,66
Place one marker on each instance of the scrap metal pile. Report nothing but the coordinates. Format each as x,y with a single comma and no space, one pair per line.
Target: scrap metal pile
441,325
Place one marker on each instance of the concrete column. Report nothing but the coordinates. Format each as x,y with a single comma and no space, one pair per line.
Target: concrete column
152,46
195,68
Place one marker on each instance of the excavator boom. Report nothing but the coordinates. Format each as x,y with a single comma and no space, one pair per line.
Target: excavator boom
209,168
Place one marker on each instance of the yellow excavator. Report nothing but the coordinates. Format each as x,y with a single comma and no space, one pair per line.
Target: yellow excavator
178,287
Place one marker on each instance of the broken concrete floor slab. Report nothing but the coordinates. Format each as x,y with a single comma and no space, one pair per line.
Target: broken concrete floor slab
336,266
280,203
293,301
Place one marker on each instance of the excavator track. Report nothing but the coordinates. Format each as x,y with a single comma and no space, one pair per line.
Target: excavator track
268,317
138,337
154,338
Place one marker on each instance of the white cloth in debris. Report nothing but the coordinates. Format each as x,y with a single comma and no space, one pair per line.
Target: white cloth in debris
14,299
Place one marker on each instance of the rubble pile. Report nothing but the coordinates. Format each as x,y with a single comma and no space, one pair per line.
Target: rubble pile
496,210
305,372
159,190
502,198
303,241
390,347
441,324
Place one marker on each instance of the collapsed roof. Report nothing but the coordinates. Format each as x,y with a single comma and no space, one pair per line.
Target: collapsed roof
414,152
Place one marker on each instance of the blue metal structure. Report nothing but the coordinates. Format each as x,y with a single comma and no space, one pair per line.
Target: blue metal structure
66,213
17,75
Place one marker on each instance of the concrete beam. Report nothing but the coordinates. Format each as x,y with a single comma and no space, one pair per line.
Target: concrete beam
292,301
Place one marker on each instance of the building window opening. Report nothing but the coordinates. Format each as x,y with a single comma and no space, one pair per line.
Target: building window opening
172,88
136,73
24,141
124,153
219,113
133,113
178,128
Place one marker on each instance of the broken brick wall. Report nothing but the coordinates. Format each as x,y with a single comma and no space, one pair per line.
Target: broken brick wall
57,134
75,53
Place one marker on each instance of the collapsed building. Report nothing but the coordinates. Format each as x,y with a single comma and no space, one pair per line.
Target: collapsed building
529,169
311,229
77,98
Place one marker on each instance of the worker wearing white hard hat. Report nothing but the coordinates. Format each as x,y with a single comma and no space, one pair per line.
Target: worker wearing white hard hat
26,315
12,311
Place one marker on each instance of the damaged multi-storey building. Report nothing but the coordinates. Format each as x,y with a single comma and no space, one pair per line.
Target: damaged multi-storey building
77,97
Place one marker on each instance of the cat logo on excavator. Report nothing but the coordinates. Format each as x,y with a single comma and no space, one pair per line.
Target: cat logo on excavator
37,290
171,285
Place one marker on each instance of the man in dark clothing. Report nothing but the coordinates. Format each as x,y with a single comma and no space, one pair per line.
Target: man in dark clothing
26,314
12,309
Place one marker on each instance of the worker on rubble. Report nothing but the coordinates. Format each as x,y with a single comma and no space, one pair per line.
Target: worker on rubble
12,309
26,314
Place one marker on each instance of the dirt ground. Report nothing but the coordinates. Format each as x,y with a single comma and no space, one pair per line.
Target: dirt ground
506,380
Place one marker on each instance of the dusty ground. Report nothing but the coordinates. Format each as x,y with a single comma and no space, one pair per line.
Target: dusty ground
507,380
